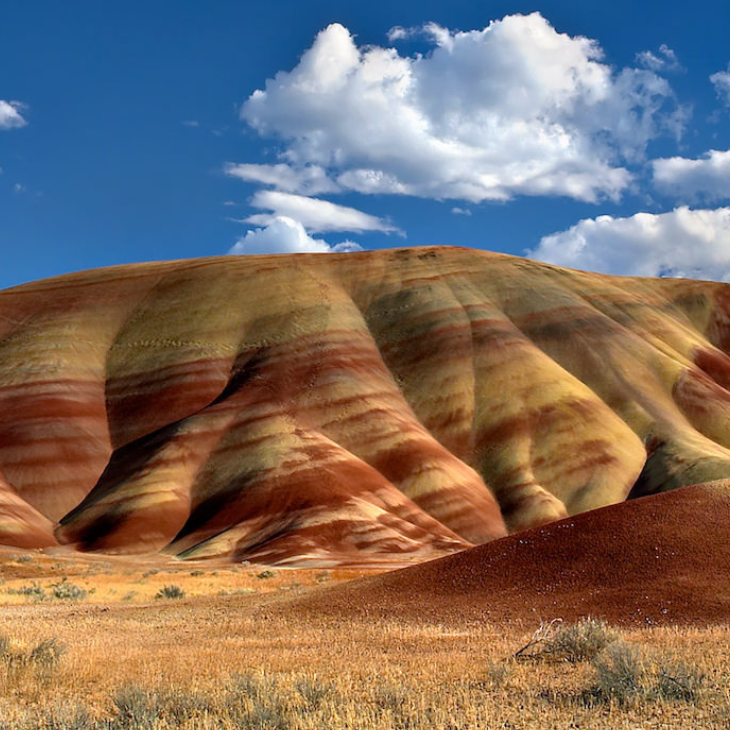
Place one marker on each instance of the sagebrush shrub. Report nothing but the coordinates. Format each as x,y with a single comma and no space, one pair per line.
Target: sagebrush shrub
68,591
620,673
171,591
575,642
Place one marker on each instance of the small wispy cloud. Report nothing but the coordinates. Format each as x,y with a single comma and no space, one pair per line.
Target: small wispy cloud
315,215
664,60
721,82
10,114
308,180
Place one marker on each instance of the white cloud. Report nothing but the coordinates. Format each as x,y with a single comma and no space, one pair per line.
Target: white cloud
10,115
308,180
514,109
285,235
398,32
317,216
665,60
721,82
460,211
682,243
707,177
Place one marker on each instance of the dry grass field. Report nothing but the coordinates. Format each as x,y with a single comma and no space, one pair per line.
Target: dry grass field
230,653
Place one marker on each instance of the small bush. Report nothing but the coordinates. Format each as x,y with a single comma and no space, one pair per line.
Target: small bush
135,708
313,691
581,641
266,574
33,591
575,642
47,653
196,573
171,591
676,680
620,673
41,661
624,675
323,576
255,701
60,716
68,591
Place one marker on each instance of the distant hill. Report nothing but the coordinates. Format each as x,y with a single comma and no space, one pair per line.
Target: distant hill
376,407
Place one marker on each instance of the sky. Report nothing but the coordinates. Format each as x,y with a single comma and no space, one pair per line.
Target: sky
589,135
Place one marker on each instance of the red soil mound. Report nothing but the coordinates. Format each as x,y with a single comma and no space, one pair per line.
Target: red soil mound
658,560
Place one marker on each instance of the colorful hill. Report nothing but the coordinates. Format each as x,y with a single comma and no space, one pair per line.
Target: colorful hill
383,406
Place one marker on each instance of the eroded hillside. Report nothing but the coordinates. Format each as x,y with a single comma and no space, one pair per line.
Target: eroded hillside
353,409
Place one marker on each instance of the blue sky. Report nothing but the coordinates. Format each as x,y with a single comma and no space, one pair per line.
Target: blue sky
590,135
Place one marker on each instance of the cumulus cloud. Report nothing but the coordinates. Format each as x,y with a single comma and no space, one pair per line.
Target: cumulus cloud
707,177
308,180
721,82
10,115
514,109
681,243
285,235
665,60
315,215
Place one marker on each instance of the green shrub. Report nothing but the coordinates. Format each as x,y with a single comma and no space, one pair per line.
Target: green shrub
620,673
33,591
135,708
171,591
624,675
580,641
68,591
263,575
255,701
575,642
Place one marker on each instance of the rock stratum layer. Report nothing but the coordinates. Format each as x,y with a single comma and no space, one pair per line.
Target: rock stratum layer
664,559
349,409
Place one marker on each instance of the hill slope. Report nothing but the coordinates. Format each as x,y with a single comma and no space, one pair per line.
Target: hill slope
663,559
325,409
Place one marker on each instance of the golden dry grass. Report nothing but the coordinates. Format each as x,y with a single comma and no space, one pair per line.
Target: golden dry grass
371,674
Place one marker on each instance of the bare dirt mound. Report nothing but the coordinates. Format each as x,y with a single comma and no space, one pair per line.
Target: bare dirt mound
658,560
